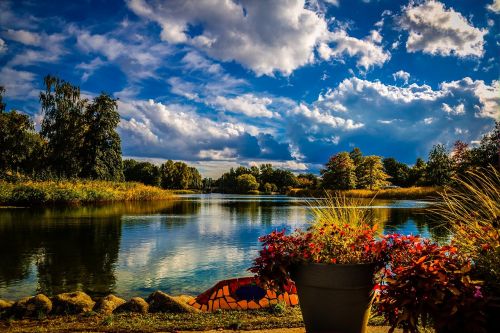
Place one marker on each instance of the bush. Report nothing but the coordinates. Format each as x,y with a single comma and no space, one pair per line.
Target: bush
431,284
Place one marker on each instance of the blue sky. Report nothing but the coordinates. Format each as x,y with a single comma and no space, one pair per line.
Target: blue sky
221,83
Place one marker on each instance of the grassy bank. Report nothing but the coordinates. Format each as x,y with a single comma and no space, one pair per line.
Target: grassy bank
76,192
165,322
391,193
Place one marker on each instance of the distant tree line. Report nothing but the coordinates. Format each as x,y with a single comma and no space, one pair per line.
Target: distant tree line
169,175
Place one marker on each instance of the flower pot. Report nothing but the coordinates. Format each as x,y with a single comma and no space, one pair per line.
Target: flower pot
335,298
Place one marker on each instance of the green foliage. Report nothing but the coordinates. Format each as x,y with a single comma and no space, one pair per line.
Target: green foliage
308,181
270,188
143,172
246,183
488,151
178,175
63,126
439,166
22,148
398,172
417,175
265,174
371,173
339,173
101,155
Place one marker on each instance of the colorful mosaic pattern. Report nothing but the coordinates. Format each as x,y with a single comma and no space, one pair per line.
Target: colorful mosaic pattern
242,294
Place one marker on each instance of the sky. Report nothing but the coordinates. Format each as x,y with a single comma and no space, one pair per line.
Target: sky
221,83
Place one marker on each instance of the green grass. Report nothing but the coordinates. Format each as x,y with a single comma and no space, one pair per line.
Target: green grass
75,192
163,322
402,193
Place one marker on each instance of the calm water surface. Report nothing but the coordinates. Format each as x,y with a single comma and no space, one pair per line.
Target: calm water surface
181,247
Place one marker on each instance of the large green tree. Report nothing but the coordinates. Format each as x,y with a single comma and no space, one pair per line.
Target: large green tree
439,166
22,149
246,183
142,172
339,172
398,172
371,173
178,175
418,173
488,151
63,126
101,154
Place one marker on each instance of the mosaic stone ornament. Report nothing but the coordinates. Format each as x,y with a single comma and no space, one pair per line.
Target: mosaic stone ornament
242,294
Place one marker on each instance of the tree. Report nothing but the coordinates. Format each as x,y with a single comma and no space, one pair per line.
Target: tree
439,166
488,151
22,149
357,158
371,173
143,172
63,126
178,175
246,183
308,180
418,173
398,172
460,158
270,188
101,151
339,172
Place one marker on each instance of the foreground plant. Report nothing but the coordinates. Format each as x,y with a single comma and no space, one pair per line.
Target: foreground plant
429,284
340,234
472,210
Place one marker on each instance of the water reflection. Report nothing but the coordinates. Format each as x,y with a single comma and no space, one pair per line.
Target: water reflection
181,246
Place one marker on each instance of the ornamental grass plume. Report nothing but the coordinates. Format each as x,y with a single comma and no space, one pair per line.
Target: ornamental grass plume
472,209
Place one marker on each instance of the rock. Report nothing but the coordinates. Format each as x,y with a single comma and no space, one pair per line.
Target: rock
32,306
136,304
108,304
72,303
161,302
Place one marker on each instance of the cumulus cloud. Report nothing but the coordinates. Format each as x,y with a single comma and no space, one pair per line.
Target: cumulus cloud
266,37
247,104
367,51
263,36
494,6
414,116
436,30
152,129
401,75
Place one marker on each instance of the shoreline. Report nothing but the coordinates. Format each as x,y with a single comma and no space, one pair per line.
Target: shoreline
403,193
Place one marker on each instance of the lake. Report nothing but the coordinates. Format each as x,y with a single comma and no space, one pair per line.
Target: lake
181,247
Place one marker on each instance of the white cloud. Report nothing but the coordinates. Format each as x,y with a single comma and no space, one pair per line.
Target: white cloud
19,84
456,110
3,46
436,30
90,67
247,104
172,131
366,50
333,2
494,6
266,37
402,75
194,61
263,36
414,116
23,36
109,47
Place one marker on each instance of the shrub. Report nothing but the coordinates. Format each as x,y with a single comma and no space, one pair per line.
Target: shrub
431,284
